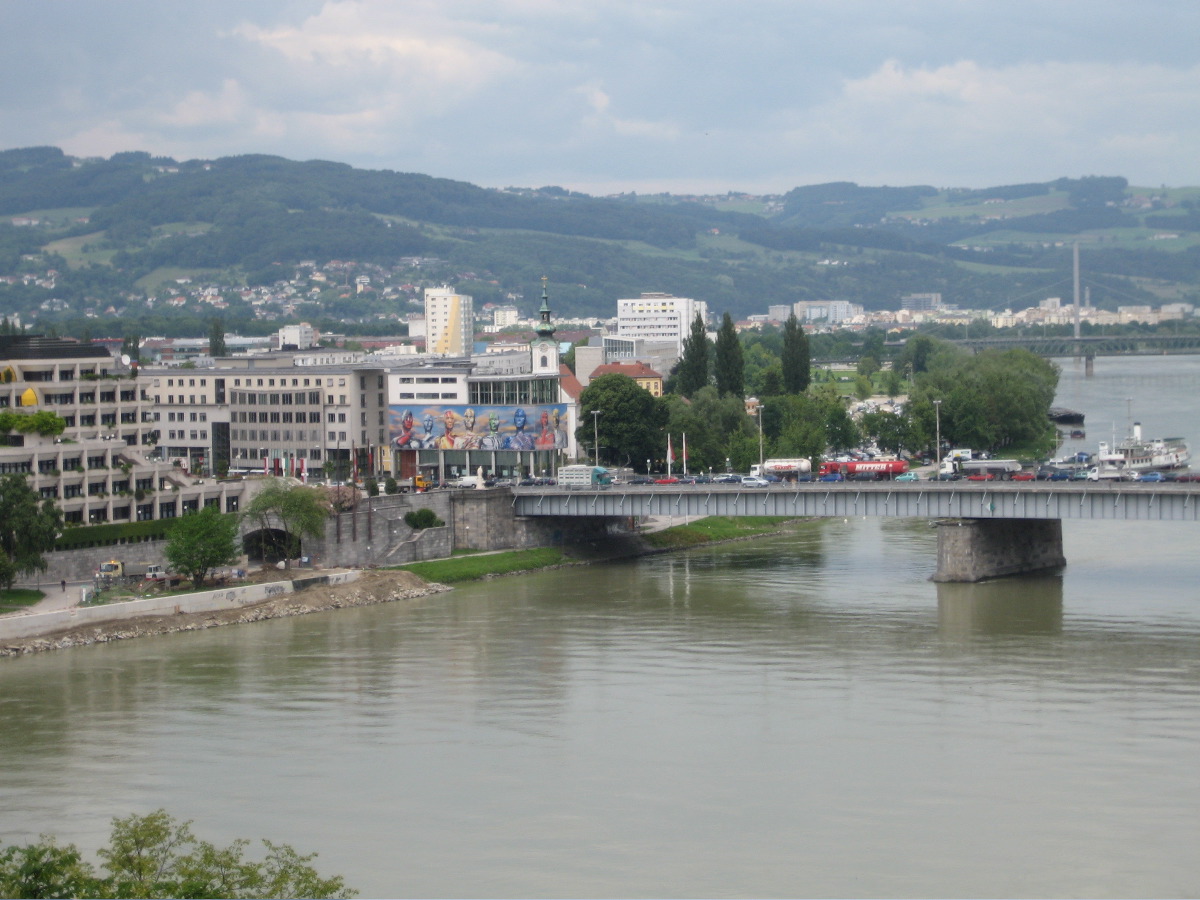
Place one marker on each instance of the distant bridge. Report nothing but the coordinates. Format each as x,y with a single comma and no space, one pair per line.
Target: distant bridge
990,528
1092,345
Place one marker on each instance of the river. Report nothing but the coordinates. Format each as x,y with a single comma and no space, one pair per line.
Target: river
804,715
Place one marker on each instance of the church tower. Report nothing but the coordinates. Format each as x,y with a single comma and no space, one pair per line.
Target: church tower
544,349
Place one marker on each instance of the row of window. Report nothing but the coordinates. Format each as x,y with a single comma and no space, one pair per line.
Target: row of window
171,417
512,393
410,395
300,398
193,435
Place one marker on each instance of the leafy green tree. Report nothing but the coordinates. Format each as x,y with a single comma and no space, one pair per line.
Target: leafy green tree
795,360
216,338
27,529
710,423
42,422
863,388
295,510
202,541
391,486
730,364
692,373
156,856
631,420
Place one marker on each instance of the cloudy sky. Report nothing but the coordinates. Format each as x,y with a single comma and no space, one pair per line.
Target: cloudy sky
605,96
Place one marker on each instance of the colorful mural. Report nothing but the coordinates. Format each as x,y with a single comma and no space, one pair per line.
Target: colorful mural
478,428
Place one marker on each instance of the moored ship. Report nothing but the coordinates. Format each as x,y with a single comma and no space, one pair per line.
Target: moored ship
1138,454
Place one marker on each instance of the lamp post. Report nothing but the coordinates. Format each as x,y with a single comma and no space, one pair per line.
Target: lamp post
758,413
937,411
647,468
596,432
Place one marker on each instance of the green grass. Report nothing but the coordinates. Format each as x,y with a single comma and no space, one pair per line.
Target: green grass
713,528
469,568
18,597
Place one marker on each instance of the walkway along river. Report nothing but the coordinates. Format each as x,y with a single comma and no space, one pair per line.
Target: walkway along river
801,715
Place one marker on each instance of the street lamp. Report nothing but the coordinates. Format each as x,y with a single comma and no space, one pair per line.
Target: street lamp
937,411
596,432
758,413
647,467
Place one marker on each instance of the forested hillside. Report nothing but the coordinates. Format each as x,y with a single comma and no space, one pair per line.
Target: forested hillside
82,238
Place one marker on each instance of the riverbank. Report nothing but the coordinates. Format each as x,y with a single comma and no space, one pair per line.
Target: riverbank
371,587
406,583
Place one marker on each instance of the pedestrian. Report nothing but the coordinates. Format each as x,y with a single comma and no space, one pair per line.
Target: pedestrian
64,585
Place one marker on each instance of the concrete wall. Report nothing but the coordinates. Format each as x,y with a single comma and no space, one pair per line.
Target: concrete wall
975,549
37,624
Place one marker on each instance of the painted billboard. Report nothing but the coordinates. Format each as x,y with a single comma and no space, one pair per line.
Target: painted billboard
478,427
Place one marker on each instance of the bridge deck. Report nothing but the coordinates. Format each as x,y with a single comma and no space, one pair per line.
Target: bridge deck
934,500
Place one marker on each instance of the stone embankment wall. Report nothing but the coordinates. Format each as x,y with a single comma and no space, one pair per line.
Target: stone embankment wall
375,534
34,624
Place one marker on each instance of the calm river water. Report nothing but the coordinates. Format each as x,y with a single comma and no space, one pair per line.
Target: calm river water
805,716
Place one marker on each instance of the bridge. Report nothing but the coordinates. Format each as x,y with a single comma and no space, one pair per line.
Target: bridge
986,529
1091,345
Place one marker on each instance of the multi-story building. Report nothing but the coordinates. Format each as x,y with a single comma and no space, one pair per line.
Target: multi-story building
98,469
659,317
449,322
645,377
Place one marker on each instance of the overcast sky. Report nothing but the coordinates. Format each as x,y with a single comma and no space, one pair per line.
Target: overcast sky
606,96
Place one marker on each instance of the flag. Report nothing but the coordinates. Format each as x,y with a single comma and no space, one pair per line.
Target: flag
685,453
670,452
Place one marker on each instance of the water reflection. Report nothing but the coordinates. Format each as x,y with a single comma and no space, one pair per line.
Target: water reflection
1028,605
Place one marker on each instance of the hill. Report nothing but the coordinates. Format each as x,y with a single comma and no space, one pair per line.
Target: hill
119,233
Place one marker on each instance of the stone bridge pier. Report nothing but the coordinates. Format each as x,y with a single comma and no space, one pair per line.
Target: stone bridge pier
976,549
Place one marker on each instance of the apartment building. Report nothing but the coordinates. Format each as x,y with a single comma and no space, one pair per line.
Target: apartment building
449,322
104,465
659,317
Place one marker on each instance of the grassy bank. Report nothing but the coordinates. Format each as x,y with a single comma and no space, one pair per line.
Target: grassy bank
713,528
16,598
469,568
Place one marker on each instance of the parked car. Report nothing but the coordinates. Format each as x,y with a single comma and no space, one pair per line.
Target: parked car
944,476
981,476
908,476
1021,476
754,481
1188,476
640,479
1151,477
666,479
833,476
728,479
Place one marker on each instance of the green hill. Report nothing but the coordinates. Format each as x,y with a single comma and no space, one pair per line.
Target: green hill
119,230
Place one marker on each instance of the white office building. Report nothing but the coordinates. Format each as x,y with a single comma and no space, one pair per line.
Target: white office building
659,317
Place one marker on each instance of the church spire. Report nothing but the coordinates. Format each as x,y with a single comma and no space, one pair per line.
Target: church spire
545,328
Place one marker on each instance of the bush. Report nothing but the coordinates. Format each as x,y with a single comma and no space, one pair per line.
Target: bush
390,486
372,487
417,519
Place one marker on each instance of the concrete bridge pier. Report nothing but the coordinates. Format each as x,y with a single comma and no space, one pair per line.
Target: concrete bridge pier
975,549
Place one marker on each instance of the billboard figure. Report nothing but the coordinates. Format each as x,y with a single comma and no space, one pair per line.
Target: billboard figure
519,439
406,440
492,440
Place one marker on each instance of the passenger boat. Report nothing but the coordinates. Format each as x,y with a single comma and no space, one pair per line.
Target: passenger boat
1138,454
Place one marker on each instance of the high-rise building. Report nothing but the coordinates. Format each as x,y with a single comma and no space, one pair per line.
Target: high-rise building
449,322
659,317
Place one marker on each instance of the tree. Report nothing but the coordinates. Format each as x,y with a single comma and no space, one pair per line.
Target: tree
730,365
201,541
156,856
27,529
631,420
293,509
795,357
692,373
216,338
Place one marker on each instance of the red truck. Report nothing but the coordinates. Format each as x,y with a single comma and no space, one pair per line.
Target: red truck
864,468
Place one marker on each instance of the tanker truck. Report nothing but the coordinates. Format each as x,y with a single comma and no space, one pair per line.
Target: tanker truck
786,469
873,469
